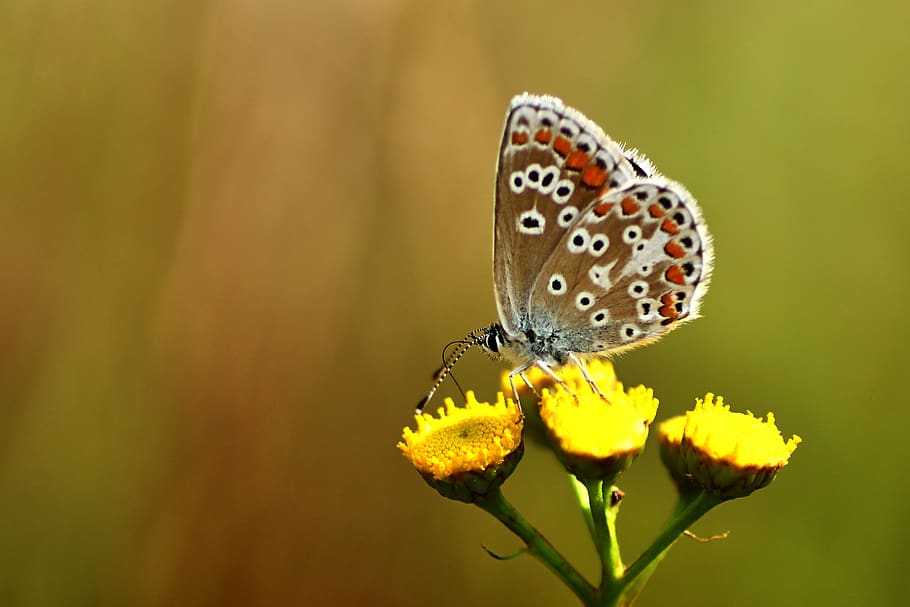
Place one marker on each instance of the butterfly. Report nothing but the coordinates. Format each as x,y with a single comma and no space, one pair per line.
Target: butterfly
594,252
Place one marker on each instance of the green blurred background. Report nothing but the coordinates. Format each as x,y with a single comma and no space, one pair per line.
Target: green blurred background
235,235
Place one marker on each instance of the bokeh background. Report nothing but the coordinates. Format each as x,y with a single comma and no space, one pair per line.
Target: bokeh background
234,237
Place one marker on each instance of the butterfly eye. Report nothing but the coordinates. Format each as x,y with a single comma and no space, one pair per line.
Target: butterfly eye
493,341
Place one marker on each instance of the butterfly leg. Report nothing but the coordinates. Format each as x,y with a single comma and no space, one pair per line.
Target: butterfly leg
584,371
549,371
520,372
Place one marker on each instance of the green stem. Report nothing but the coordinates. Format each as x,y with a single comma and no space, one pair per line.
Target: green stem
497,505
581,494
604,515
690,508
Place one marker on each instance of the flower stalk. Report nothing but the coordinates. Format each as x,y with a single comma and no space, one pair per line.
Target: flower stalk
712,455
538,546
604,500
689,509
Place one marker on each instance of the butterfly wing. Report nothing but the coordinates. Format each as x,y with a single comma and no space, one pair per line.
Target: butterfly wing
553,163
630,268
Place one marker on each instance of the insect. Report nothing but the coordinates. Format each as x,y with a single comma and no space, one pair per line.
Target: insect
594,252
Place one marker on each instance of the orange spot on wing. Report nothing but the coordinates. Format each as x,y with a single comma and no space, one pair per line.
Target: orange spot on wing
675,250
594,176
576,160
668,309
543,136
656,211
562,146
669,226
629,206
675,275
602,208
519,138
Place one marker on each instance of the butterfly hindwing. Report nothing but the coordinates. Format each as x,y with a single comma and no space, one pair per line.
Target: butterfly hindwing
632,266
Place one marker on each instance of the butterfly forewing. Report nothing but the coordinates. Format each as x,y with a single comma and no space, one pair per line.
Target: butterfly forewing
553,164
630,268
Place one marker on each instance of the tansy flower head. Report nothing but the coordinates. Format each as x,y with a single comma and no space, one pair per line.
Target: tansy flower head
466,451
600,370
598,438
728,454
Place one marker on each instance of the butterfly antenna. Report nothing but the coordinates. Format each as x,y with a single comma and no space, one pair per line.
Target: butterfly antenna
458,385
461,346
448,365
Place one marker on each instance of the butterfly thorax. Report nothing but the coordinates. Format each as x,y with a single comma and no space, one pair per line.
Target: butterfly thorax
528,346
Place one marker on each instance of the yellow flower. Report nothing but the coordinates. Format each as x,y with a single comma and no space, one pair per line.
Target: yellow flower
671,433
725,453
600,370
466,451
597,438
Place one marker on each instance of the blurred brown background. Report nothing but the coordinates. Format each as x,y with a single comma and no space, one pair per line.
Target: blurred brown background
235,235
